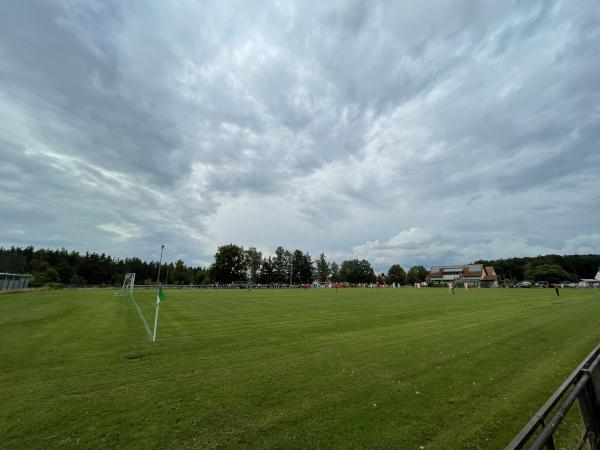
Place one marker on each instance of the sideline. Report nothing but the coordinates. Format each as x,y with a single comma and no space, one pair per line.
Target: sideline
142,317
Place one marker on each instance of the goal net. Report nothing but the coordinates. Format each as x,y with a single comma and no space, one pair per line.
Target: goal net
128,284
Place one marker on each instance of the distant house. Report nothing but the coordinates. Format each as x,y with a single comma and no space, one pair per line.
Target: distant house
476,274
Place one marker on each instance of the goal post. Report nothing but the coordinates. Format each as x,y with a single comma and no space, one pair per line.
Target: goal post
128,285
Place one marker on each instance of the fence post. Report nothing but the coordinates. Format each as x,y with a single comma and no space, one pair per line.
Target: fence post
590,413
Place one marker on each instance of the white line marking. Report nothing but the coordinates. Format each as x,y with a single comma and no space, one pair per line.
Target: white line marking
142,317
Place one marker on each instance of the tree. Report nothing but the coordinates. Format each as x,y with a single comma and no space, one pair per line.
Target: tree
552,273
578,266
416,274
253,259
180,274
281,265
90,268
66,272
99,269
43,273
199,275
322,270
266,271
301,266
334,272
396,274
117,279
76,280
228,265
355,271
581,266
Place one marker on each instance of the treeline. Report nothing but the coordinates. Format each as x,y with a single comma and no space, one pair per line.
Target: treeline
232,263
83,269
551,268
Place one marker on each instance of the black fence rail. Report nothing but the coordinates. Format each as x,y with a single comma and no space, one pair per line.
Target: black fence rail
583,387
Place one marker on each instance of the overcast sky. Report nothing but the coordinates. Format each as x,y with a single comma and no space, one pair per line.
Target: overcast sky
422,132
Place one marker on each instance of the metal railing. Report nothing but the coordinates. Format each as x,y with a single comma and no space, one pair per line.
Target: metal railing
583,386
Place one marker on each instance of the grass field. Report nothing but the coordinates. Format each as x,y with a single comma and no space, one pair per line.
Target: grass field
364,368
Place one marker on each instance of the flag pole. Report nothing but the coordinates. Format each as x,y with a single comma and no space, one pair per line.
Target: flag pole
156,319
157,294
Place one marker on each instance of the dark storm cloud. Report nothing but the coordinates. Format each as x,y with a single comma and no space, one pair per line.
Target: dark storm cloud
382,124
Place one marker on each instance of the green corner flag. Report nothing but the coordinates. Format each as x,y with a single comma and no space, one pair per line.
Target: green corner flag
161,294
160,297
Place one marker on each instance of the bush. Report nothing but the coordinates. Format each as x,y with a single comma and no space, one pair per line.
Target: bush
55,285
76,280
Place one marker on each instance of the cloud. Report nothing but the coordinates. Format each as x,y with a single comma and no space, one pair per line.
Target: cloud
406,133
582,244
124,231
417,247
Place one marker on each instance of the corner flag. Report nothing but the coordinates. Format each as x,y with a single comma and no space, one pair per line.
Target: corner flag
160,297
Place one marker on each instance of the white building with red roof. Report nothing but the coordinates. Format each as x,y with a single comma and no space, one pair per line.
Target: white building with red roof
476,274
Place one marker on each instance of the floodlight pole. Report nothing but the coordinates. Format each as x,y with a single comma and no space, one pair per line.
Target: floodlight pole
157,291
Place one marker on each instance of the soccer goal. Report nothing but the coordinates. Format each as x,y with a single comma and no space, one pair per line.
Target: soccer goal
128,284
